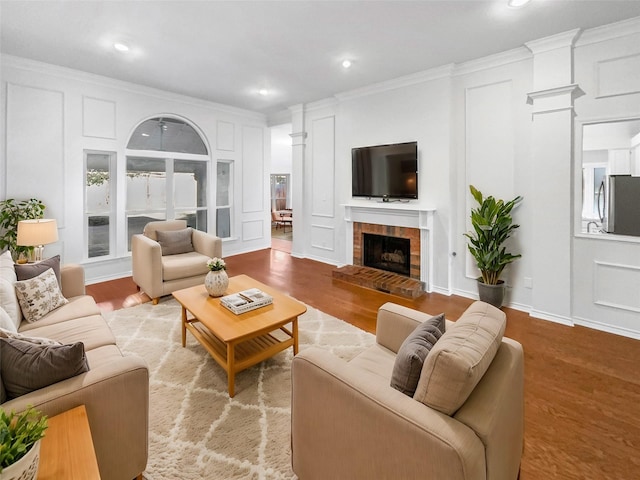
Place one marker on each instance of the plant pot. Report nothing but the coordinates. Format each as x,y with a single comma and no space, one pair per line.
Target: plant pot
26,468
491,294
216,283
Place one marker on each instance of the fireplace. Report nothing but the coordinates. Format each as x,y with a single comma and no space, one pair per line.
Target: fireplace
387,253
404,239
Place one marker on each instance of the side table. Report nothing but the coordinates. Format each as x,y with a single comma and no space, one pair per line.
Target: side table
67,448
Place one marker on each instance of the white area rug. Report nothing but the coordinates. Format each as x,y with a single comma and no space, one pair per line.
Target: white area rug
195,430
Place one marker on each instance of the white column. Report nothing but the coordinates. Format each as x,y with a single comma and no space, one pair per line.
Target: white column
552,154
298,136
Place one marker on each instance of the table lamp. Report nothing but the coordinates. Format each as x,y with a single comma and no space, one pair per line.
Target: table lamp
37,233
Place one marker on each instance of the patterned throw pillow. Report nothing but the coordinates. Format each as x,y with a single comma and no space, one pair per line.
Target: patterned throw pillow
39,295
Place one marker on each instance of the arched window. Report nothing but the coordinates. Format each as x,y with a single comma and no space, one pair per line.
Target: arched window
166,177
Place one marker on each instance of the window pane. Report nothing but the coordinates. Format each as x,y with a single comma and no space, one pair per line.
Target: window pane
190,187
97,185
146,184
194,219
223,222
98,240
136,223
223,183
167,135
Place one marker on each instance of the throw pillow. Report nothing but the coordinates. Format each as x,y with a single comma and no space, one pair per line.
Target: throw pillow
30,270
459,360
174,242
9,301
39,295
26,367
5,321
412,353
34,340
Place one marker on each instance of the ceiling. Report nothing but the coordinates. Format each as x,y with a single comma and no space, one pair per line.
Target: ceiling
226,51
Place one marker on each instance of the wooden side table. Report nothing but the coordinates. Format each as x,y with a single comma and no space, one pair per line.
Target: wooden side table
67,448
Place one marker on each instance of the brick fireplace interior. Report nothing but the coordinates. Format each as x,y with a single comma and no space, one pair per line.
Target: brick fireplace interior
386,247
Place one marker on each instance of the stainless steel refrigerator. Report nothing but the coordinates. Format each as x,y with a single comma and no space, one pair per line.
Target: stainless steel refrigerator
622,205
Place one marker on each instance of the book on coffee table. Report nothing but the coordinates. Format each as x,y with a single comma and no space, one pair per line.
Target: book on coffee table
246,300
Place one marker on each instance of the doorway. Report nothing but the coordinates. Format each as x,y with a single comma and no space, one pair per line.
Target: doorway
282,208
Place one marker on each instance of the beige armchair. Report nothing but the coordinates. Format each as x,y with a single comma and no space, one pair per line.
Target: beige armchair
183,263
347,422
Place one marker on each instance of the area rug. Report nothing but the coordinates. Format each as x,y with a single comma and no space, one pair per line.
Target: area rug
195,430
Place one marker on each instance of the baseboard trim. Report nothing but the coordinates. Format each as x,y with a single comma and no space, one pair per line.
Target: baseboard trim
608,328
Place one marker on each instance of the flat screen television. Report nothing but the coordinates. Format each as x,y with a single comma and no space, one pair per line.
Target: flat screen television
386,171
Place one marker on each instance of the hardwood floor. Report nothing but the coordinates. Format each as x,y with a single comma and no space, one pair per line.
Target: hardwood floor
582,386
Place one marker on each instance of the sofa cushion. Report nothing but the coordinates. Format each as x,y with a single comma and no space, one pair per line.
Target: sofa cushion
93,331
30,270
457,362
35,340
377,360
184,265
39,295
27,367
174,242
6,323
8,299
77,307
412,353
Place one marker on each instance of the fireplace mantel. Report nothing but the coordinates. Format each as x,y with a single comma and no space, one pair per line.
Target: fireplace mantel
398,215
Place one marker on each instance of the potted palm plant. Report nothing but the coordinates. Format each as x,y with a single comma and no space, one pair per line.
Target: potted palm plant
492,226
20,435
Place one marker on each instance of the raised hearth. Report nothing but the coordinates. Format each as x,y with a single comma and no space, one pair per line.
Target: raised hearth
379,280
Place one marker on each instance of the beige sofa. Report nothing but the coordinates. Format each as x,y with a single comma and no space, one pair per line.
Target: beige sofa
115,390
349,423
157,274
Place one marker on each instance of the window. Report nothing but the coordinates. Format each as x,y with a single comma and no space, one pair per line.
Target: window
167,185
224,196
280,192
99,203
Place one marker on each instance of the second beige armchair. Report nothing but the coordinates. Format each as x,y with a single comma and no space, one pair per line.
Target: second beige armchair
168,256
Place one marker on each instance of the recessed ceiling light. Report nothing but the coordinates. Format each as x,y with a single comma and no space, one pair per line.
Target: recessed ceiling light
264,92
121,47
517,3
145,134
346,63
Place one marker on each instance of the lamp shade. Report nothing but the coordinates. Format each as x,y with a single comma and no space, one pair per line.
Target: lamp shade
37,232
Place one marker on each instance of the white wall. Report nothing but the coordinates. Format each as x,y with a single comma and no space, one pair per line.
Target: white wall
53,114
504,124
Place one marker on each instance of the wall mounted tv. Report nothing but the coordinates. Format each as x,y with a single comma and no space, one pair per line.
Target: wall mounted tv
386,171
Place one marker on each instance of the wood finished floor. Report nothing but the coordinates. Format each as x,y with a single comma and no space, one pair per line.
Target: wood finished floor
582,386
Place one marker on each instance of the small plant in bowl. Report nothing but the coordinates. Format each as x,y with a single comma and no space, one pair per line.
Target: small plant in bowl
19,432
216,264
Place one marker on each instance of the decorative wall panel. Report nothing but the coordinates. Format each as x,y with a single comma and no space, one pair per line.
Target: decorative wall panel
252,230
98,118
323,167
618,76
617,286
322,237
35,147
489,146
253,176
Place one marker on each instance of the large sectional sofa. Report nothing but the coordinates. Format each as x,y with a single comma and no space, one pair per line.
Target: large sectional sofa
115,389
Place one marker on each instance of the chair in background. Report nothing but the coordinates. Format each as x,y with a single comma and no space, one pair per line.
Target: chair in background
278,219
168,256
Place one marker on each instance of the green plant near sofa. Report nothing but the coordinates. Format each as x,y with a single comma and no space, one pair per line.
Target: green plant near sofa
492,226
11,212
18,433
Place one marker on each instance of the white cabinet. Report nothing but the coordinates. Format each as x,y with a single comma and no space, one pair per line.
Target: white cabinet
620,161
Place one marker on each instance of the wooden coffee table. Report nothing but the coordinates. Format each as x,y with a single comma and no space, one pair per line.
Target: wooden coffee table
237,342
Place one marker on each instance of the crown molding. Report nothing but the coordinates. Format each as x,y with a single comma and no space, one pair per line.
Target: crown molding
329,102
102,81
553,42
611,31
492,61
400,82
